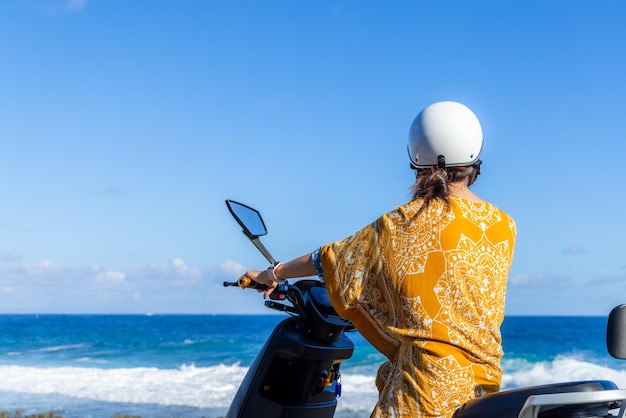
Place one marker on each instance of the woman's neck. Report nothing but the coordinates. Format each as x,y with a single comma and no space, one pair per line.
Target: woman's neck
461,190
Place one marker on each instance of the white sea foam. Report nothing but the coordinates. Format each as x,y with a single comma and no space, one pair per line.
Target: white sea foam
359,394
60,348
215,387
189,385
561,369
201,387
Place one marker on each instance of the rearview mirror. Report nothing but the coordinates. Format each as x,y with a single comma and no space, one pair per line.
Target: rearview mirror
248,218
616,332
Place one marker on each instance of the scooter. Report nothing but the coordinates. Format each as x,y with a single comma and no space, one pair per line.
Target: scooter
296,373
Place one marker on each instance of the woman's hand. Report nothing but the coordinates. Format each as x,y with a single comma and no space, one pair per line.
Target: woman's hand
299,267
263,277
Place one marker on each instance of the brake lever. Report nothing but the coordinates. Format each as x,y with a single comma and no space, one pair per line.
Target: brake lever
280,307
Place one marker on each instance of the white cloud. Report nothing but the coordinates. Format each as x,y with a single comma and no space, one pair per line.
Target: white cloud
176,274
519,279
54,6
184,270
7,289
73,5
232,268
39,268
574,249
110,277
524,279
175,286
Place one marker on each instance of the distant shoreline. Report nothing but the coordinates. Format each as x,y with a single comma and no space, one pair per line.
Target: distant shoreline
269,314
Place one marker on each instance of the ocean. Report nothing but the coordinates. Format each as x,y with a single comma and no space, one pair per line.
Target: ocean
189,366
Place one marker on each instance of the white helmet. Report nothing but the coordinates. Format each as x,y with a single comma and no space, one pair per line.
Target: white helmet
445,134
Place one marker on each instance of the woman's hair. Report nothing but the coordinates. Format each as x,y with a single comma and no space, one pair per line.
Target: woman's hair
432,183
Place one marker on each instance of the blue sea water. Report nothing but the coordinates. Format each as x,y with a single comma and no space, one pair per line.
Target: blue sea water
190,366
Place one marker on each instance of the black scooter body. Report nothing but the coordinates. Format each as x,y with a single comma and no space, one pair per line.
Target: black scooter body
295,374
508,403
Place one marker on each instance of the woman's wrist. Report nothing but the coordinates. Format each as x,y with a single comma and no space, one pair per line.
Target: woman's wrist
272,273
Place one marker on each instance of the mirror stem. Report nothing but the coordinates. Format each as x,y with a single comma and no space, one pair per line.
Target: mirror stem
257,243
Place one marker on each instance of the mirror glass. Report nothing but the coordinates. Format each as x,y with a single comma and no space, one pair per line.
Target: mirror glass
249,219
616,332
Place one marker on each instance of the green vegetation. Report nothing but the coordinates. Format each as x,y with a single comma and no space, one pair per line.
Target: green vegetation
20,414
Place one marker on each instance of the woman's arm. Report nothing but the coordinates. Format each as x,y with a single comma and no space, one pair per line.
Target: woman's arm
298,267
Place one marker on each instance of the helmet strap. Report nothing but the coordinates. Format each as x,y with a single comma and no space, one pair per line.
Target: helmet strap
441,162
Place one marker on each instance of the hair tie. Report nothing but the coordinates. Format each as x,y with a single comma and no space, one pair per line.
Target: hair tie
273,276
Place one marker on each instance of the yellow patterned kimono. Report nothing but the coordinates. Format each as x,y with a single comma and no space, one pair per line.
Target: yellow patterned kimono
428,292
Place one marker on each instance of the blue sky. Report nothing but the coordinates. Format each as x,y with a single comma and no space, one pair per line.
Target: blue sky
125,125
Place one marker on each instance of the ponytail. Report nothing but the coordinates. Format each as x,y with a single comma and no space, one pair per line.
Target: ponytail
431,183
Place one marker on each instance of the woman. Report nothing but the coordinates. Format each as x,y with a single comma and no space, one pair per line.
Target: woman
425,283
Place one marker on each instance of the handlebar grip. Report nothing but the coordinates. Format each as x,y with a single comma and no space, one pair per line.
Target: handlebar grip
247,283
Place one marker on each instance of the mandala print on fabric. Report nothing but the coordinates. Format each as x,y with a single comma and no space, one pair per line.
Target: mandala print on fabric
476,270
413,241
452,383
484,218
417,322
427,289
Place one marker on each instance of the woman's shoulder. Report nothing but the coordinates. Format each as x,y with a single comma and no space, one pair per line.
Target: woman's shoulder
482,211
477,203
410,209
407,209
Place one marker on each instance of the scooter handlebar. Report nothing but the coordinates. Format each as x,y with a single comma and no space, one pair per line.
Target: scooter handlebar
246,283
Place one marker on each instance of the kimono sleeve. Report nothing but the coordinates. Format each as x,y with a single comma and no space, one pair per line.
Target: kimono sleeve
351,265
